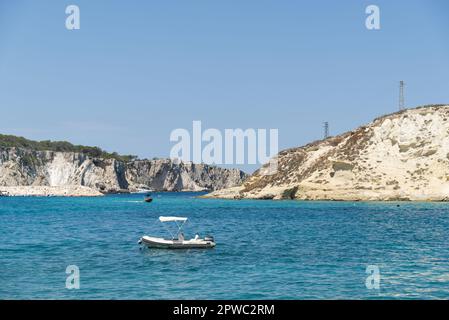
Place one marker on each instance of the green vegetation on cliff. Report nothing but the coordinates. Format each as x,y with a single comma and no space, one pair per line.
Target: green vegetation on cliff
9,141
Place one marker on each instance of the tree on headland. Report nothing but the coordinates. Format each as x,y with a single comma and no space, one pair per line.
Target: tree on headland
10,141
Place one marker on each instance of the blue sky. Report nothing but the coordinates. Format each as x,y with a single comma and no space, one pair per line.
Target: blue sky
136,70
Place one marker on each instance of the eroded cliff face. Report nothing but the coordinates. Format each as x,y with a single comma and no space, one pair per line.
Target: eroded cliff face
402,156
166,175
21,167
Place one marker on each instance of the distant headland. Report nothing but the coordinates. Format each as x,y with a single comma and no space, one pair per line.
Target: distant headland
401,156
59,168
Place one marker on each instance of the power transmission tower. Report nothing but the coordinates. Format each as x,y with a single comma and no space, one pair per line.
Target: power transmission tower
326,130
401,95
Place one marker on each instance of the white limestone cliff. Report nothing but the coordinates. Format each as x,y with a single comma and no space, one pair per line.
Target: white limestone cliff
22,167
402,156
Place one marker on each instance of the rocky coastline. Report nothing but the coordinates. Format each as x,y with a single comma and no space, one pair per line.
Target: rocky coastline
403,156
47,191
47,173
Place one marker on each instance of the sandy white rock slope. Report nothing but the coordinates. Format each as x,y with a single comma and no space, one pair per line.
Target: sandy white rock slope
402,156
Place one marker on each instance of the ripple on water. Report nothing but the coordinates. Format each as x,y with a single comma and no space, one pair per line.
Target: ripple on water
265,249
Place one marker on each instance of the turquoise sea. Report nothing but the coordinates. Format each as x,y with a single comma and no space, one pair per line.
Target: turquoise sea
265,249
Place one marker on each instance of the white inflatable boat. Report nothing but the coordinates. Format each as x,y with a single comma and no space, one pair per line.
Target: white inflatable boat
177,242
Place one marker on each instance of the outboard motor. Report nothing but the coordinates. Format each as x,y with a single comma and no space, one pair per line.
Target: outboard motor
209,238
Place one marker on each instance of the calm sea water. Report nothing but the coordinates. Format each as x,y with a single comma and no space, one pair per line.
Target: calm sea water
265,249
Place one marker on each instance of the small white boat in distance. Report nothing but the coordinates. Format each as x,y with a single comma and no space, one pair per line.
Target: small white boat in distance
178,241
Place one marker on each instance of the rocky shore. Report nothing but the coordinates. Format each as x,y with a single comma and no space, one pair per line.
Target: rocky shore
401,156
25,171
47,191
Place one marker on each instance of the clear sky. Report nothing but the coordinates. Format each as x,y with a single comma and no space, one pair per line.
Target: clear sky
136,70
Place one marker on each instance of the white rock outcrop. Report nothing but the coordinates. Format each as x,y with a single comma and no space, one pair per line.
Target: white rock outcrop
402,156
42,191
22,167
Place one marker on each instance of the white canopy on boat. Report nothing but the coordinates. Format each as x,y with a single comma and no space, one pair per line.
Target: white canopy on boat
169,219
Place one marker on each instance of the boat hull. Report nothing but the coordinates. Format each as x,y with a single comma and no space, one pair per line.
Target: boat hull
159,243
